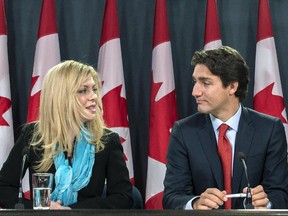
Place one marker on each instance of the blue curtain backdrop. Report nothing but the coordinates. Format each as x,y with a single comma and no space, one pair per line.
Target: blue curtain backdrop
79,26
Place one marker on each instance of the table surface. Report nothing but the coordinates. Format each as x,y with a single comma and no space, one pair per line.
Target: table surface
136,212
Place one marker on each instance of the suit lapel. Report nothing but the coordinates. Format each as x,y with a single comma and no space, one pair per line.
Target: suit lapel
209,145
243,142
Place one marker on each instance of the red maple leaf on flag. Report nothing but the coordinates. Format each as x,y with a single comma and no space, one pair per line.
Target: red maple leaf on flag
33,109
163,120
5,105
110,101
111,116
266,102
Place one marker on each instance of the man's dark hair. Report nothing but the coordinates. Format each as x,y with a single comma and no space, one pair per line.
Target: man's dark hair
228,64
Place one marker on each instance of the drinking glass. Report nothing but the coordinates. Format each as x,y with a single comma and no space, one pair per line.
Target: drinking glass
42,186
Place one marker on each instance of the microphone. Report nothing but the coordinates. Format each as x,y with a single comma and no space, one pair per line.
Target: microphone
248,200
25,154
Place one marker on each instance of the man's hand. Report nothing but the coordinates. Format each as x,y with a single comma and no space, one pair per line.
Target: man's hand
259,197
212,198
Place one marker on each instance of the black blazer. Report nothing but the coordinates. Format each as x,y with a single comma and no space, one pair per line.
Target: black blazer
193,164
109,164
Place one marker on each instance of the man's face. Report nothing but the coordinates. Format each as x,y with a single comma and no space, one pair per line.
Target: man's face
209,92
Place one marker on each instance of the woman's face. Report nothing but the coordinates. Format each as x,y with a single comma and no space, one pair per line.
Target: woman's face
86,95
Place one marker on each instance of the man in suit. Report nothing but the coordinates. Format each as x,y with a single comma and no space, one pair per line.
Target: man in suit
196,176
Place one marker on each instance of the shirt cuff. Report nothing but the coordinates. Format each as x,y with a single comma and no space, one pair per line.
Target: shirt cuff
188,205
269,205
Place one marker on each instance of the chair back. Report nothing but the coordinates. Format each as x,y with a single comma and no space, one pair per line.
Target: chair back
137,197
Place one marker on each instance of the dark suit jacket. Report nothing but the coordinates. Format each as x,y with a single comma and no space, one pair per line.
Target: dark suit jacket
193,164
109,164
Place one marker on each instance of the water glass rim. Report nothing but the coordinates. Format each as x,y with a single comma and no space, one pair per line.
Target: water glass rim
42,174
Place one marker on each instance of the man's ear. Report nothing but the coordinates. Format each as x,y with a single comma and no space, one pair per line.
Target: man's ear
233,87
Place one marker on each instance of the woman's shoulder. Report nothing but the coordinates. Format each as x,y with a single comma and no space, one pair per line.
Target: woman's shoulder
27,129
109,135
111,139
29,126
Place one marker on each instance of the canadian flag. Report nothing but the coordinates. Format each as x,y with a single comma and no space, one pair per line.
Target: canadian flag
212,37
6,123
47,55
163,108
268,96
110,69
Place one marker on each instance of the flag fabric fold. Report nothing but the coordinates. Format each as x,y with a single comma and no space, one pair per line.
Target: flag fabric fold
47,55
110,69
268,95
163,108
6,122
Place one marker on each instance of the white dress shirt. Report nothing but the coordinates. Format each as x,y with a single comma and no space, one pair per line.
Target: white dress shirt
231,133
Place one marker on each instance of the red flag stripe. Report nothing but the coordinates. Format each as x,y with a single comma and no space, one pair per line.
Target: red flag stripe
48,19
264,21
161,33
3,27
212,28
110,27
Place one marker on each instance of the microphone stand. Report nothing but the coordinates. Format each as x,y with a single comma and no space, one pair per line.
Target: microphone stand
19,204
248,199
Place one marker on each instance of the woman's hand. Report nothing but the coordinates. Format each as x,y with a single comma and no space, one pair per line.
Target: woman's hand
57,205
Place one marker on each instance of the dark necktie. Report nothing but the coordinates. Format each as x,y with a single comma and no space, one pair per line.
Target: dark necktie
225,153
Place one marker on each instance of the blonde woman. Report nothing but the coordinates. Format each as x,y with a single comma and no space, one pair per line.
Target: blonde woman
70,140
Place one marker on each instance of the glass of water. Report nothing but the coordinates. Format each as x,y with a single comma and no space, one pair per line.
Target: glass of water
42,186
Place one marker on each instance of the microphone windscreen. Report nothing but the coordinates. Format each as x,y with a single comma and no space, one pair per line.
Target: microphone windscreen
241,156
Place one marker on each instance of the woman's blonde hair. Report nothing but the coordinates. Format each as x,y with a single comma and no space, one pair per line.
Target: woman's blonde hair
59,113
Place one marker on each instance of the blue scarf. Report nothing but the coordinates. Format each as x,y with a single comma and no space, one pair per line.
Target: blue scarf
69,180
